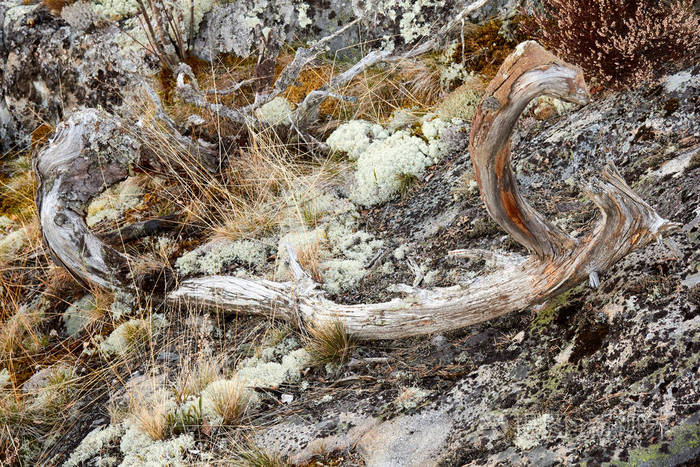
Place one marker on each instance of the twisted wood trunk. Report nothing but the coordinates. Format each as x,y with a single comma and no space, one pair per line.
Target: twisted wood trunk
557,261
89,152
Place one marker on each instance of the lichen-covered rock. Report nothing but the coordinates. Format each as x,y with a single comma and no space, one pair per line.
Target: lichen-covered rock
244,26
114,201
407,21
241,27
49,66
78,315
272,369
93,443
335,243
215,256
80,15
141,451
600,376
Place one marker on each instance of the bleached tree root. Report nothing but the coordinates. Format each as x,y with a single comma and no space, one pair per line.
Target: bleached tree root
558,261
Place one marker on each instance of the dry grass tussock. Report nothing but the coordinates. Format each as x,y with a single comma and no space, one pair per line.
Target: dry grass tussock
249,197
329,343
196,374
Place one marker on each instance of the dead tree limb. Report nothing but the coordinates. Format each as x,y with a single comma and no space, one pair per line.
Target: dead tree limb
90,152
558,261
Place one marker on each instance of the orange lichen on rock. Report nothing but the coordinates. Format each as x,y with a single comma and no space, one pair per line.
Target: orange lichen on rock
41,135
485,47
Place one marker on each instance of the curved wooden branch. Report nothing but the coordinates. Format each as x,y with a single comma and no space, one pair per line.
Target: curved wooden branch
89,153
81,161
528,73
558,262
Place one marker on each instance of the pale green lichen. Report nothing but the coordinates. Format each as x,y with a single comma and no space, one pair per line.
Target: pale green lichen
275,366
384,160
130,334
302,18
52,389
400,252
452,73
120,9
350,251
277,111
434,130
546,106
215,256
4,378
5,223
341,250
354,137
92,444
122,305
684,439
141,451
113,202
533,433
410,398
116,9
260,374
460,103
78,315
415,19
12,243
324,229
379,167
125,337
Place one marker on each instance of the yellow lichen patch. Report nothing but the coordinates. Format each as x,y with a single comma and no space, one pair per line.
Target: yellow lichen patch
41,135
485,47
17,197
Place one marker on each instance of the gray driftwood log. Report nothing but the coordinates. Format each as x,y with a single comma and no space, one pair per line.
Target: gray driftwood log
90,152
557,263
71,170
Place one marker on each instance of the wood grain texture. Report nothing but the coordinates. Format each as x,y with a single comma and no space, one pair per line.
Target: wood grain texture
89,153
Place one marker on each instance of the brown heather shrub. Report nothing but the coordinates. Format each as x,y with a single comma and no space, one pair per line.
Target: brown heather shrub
619,43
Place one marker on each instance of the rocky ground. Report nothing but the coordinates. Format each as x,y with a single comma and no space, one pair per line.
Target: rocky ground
595,376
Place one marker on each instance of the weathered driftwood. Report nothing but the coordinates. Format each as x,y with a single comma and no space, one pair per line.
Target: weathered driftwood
558,261
89,152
